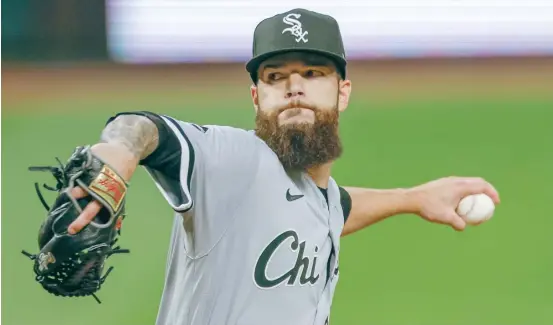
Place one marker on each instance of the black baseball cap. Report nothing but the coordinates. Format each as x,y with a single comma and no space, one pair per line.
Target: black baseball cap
297,30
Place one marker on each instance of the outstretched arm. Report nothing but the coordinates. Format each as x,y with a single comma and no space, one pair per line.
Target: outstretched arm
434,201
124,142
168,149
137,134
369,206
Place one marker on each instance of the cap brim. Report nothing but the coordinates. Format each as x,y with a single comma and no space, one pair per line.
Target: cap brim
255,62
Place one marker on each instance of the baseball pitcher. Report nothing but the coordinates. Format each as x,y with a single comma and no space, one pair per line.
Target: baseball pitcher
257,215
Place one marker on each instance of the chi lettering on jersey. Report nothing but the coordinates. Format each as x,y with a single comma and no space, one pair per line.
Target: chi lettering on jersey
302,271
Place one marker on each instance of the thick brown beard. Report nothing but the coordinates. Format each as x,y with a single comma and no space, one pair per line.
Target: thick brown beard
301,146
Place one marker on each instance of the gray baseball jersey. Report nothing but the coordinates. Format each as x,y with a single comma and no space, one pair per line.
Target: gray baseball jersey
251,243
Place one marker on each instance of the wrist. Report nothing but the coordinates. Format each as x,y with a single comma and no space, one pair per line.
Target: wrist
118,157
411,200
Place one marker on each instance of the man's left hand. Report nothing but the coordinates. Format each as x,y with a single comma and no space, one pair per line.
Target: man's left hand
436,201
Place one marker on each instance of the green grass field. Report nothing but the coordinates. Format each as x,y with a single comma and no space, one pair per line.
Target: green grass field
401,271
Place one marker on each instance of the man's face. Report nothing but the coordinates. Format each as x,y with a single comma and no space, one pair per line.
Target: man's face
298,100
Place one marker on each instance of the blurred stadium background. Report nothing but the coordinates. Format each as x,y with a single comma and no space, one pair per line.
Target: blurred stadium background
439,88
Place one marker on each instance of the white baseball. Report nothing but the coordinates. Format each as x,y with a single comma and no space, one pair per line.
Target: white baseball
475,209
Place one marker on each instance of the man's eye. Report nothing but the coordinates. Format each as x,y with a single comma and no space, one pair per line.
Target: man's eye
274,76
313,73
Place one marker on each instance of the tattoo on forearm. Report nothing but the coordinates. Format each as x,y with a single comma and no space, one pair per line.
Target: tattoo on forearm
137,133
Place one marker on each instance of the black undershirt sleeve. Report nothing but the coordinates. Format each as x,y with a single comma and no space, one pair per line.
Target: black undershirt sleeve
166,158
345,201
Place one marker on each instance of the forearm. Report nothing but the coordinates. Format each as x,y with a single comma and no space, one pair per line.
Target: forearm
370,206
125,141
137,134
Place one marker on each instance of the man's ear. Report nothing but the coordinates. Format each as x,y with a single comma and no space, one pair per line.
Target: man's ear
344,92
255,98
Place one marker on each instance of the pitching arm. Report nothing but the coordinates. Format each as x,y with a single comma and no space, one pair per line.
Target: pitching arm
369,206
435,201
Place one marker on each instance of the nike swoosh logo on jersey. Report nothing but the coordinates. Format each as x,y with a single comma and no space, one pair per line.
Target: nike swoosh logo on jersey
291,197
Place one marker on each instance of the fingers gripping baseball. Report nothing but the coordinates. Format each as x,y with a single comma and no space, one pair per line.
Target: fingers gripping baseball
476,185
454,220
447,217
438,200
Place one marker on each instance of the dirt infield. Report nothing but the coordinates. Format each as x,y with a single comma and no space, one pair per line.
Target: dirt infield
23,85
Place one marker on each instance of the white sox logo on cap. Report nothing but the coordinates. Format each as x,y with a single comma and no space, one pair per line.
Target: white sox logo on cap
296,29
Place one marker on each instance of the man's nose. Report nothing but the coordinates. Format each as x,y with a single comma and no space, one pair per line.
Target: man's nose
292,94
295,86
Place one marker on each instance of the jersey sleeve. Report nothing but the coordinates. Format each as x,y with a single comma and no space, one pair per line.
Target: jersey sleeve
345,200
199,163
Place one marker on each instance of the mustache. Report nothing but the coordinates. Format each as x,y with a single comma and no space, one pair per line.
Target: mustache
296,104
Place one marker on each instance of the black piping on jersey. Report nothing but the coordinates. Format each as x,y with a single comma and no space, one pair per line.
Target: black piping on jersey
345,200
328,266
192,155
165,146
167,149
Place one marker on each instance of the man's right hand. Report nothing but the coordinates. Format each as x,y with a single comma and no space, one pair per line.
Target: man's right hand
125,141
118,157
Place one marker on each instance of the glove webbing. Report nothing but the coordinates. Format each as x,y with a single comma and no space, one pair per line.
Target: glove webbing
83,262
